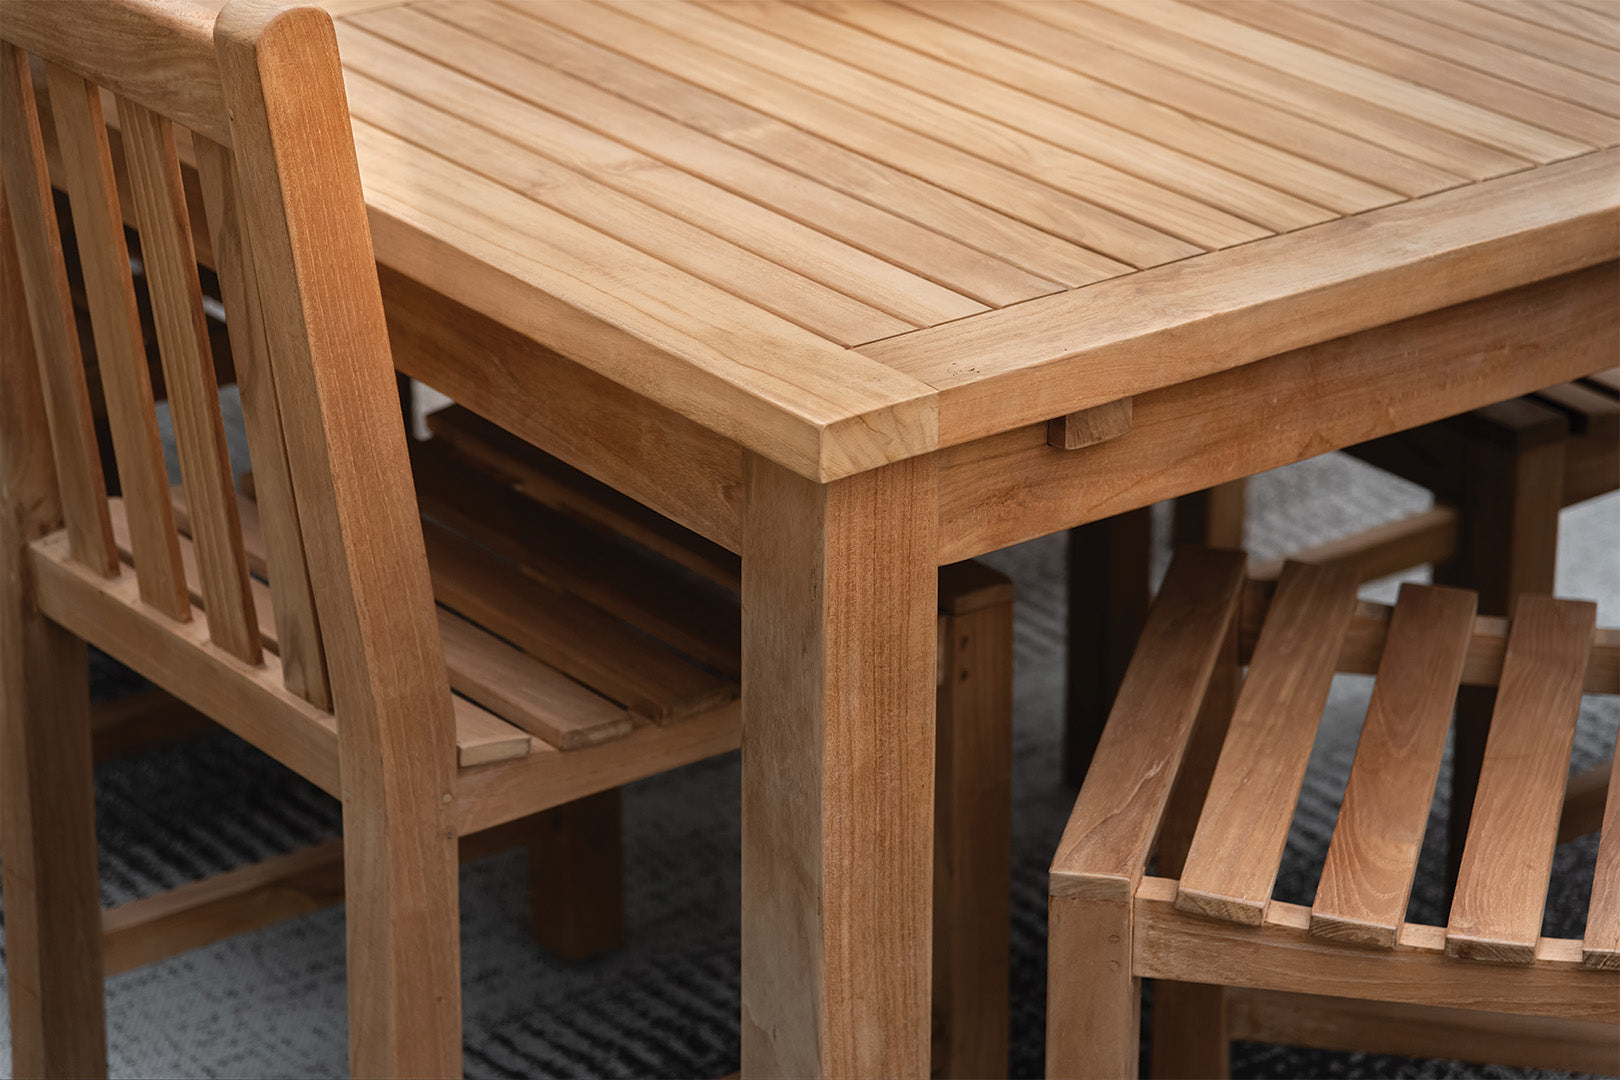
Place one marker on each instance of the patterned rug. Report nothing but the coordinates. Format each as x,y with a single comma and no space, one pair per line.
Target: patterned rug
271,1003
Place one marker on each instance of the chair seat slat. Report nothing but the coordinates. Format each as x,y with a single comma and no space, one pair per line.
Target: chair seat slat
526,693
1237,848
628,583
1606,380
182,328
549,481
1601,947
56,342
1114,824
1372,859
303,663
98,225
585,643
1502,882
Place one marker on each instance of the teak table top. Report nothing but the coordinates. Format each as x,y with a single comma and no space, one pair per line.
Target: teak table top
846,233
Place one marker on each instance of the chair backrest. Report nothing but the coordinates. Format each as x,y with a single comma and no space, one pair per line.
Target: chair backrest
251,97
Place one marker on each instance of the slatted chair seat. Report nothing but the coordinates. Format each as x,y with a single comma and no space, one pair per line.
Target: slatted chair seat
532,669
1205,763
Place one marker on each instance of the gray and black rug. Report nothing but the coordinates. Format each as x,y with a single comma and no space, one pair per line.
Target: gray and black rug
271,1003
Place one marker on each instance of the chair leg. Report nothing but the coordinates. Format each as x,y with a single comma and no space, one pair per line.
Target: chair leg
1213,517
1189,1019
576,877
54,963
973,829
1093,1001
47,787
401,879
1507,545
1109,565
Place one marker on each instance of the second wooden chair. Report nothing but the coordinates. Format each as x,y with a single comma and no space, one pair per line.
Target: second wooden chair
1204,765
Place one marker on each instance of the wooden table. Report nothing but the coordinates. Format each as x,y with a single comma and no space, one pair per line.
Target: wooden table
856,289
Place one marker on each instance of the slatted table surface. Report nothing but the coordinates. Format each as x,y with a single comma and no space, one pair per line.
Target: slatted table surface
934,221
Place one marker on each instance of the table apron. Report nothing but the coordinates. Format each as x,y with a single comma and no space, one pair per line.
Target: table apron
1012,487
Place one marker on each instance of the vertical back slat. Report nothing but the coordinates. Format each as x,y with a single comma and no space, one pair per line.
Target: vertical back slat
50,311
1601,947
1373,858
1502,883
171,271
1232,864
81,135
302,662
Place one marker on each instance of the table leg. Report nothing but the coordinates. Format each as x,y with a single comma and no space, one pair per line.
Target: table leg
839,625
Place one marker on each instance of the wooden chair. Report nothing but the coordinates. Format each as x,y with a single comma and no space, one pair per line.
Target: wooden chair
1500,476
430,678
551,524
1205,764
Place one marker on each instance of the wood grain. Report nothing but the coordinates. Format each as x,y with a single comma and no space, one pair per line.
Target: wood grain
641,673
973,710
1281,169
838,762
699,48
53,956
251,701
1012,487
1109,573
1429,536
866,288
1281,954
1180,193
162,57
1502,883
120,350
1482,666
616,577
347,453
1601,949
1190,90
171,269
1111,830
1232,864
1372,859
663,460
1585,798
1088,427
65,400
303,663
1230,308
696,109
1314,25
1336,1023
546,480
1093,994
